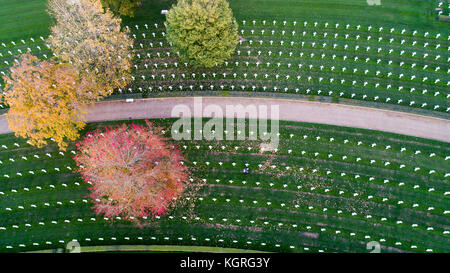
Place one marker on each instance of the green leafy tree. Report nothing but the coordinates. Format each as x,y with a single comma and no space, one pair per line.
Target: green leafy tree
122,7
203,32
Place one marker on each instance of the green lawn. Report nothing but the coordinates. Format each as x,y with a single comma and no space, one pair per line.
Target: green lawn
21,19
399,61
151,249
327,188
317,59
409,13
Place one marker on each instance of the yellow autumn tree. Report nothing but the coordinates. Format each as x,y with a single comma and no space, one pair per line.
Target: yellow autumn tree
92,40
44,101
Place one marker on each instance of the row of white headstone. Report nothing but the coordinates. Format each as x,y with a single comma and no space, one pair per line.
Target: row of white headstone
401,76
303,152
324,25
278,224
275,89
192,238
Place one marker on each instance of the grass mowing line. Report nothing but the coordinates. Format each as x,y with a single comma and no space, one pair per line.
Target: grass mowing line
340,154
311,222
339,207
41,229
261,215
392,7
335,169
155,248
23,18
414,17
194,234
337,187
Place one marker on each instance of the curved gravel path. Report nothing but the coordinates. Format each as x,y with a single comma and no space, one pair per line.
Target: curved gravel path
293,110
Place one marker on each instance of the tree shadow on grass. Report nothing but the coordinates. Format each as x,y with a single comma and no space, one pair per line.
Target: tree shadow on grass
149,12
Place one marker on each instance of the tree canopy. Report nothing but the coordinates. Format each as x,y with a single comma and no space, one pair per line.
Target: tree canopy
44,101
132,170
204,32
91,39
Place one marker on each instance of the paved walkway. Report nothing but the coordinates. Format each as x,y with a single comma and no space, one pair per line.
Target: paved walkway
293,110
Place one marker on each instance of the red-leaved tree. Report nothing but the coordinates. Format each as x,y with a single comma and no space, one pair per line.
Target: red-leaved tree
132,170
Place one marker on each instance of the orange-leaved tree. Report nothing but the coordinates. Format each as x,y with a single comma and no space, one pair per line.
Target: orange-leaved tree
92,40
133,171
44,102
